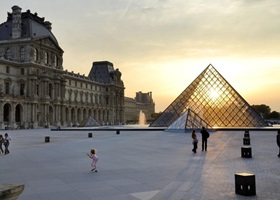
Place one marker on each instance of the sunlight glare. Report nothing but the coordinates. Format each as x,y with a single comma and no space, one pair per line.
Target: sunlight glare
214,94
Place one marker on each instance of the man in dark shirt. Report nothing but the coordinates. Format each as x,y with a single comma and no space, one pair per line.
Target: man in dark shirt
205,135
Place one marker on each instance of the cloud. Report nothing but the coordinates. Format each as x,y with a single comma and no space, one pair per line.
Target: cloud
192,28
141,37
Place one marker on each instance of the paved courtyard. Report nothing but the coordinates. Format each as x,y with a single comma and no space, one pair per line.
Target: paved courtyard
138,165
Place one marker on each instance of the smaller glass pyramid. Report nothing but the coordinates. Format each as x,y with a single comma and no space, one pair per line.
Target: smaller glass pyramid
188,120
211,98
89,122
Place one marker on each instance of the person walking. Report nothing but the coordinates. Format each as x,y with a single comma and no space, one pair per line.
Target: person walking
205,136
92,155
1,142
195,141
7,140
278,141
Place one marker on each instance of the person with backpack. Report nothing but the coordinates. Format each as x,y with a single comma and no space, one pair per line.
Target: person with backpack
205,135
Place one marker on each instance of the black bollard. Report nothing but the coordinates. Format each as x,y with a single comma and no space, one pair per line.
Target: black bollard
118,132
47,139
245,184
247,134
246,141
246,152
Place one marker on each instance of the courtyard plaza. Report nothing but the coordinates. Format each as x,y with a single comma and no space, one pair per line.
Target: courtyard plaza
138,165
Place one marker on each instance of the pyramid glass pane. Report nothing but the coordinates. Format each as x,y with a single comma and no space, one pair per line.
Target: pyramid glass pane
215,101
179,123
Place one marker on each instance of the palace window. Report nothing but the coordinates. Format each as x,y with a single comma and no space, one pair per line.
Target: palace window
7,87
22,86
22,54
22,71
95,99
8,54
46,58
50,90
36,54
37,89
7,69
55,61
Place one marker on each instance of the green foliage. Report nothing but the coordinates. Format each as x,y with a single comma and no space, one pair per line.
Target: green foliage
265,111
274,115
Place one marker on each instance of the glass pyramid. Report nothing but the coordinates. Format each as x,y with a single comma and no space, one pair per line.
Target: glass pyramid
89,122
188,120
214,100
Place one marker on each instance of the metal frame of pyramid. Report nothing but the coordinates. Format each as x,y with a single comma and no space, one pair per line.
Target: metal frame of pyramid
215,101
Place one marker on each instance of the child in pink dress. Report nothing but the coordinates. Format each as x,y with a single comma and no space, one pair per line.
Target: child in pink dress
92,155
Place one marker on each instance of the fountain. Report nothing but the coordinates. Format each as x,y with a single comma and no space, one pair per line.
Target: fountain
142,118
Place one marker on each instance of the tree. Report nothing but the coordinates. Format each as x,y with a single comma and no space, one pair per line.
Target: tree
263,110
274,115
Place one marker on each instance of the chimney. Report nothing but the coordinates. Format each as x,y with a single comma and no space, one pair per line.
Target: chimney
16,21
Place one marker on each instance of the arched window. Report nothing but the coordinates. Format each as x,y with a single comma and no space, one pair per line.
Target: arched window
22,54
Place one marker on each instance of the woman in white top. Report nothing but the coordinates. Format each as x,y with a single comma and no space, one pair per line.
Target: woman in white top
7,140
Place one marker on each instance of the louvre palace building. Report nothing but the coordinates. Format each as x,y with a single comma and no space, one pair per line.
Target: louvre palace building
36,91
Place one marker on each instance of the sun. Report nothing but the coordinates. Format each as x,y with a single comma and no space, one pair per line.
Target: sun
213,94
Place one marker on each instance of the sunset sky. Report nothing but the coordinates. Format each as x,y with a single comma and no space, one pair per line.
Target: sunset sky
163,45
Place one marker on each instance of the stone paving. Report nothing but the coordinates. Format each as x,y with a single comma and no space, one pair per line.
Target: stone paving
138,165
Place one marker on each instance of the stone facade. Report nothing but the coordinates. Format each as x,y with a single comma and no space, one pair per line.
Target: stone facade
133,106
35,90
